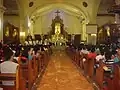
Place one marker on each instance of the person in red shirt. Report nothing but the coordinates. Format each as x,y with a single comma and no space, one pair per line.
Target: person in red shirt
92,54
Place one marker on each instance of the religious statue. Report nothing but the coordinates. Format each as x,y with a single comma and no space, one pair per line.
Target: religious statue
57,28
15,33
108,31
7,32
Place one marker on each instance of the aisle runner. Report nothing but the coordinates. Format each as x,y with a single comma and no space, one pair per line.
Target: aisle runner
61,74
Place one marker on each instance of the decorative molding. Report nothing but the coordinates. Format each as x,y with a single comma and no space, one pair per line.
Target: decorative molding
2,8
6,14
31,4
106,15
91,24
85,4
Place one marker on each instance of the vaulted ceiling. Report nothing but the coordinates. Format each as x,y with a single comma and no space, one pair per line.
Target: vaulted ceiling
105,5
12,8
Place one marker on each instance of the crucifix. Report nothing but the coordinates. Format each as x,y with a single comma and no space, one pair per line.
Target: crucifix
57,12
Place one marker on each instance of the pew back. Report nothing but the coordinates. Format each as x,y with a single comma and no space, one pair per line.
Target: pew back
117,77
27,71
19,83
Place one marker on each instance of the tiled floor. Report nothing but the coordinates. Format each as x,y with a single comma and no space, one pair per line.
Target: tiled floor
61,74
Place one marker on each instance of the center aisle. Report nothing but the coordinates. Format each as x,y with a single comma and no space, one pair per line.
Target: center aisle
62,74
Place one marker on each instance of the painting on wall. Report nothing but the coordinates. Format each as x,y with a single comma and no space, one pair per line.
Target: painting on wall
10,34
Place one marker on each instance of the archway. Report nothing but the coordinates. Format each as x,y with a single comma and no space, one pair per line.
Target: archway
67,8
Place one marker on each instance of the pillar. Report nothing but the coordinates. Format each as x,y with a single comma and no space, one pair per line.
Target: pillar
31,30
2,9
22,30
83,31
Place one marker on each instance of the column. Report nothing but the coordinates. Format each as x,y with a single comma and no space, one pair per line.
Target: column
117,18
31,30
23,30
2,9
83,31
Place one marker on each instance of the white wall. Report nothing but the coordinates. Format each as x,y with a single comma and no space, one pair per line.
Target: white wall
71,23
14,20
101,20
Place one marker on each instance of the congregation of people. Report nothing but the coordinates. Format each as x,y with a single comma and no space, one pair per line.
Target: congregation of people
98,62
13,56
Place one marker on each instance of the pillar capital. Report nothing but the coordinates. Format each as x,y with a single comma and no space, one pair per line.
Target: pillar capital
2,9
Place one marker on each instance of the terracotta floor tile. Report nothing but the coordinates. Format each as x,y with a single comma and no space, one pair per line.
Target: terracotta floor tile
61,74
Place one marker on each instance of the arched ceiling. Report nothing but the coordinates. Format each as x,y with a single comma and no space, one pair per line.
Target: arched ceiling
105,5
66,8
25,10
11,7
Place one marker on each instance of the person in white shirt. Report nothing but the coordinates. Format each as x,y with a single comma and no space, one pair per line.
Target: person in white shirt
84,51
8,66
100,56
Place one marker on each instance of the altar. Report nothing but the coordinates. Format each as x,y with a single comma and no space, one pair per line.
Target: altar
58,40
58,35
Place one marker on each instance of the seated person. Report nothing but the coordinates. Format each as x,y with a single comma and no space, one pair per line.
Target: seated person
117,58
8,66
108,60
100,56
27,53
84,50
92,54
16,56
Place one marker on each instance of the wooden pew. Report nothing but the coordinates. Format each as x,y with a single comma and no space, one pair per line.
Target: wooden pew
77,58
46,57
117,77
84,64
81,61
27,70
17,78
40,63
42,60
101,76
35,67
90,67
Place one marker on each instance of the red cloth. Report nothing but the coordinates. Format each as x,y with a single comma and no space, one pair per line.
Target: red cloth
112,57
24,58
92,55
105,88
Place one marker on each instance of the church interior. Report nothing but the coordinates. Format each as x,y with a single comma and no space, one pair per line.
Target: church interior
59,45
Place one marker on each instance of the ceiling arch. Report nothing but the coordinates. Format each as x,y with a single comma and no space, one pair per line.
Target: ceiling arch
105,5
65,7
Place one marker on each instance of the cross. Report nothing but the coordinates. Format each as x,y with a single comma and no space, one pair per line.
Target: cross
57,12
